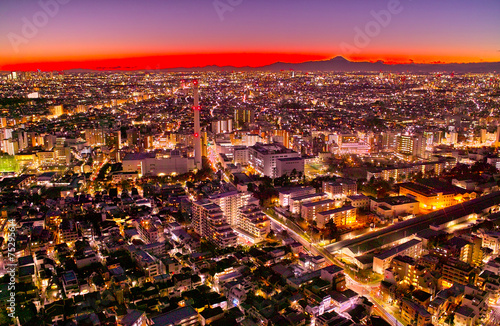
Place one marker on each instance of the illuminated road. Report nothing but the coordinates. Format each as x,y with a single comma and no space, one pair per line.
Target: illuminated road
352,284
494,316
277,225
367,290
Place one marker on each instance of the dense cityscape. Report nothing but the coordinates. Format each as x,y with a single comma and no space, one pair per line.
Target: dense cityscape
249,198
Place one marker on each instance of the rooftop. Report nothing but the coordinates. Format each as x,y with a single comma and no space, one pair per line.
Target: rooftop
319,202
431,187
337,210
274,148
394,251
397,200
406,228
174,317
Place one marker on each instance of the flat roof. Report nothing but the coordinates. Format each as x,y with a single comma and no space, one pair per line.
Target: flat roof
174,317
357,197
420,309
287,191
394,251
287,159
317,194
138,156
431,187
397,200
317,203
131,317
274,148
406,228
337,210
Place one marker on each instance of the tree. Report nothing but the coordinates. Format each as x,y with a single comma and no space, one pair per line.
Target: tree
450,319
125,184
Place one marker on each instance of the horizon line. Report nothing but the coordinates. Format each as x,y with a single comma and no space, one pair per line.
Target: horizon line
408,61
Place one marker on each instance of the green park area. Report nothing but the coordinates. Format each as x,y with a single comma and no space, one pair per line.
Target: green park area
8,163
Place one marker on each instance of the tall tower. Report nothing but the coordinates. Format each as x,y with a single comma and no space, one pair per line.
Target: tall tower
197,131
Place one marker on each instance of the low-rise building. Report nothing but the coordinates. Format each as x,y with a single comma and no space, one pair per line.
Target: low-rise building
392,207
340,188
310,211
342,216
289,165
434,194
382,261
359,201
285,195
414,314
456,271
149,264
296,202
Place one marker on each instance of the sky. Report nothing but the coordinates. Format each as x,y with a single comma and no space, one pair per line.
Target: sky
149,34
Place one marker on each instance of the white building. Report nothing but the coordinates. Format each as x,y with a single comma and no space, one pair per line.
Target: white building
491,240
310,211
149,264
382,261
263,157
287,194
229,202
157,164
208,221
341,216
295,203
359,201
253,224
288,165
240,155
340,188
390,207
222,126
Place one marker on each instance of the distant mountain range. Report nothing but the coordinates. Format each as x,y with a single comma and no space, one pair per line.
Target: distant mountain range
343,65
337,64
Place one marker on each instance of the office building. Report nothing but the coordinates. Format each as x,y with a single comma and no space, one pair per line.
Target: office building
243,117
263,157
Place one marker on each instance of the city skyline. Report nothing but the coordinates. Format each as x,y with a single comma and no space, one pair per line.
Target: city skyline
57,35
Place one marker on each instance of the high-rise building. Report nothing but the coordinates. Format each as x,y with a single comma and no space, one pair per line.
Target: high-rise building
389,140
284,135
133,137
229,202
204,144
222,126
114,139
253,224
497,143
95,136
243,117
56,110
208,221
197,130
411,145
